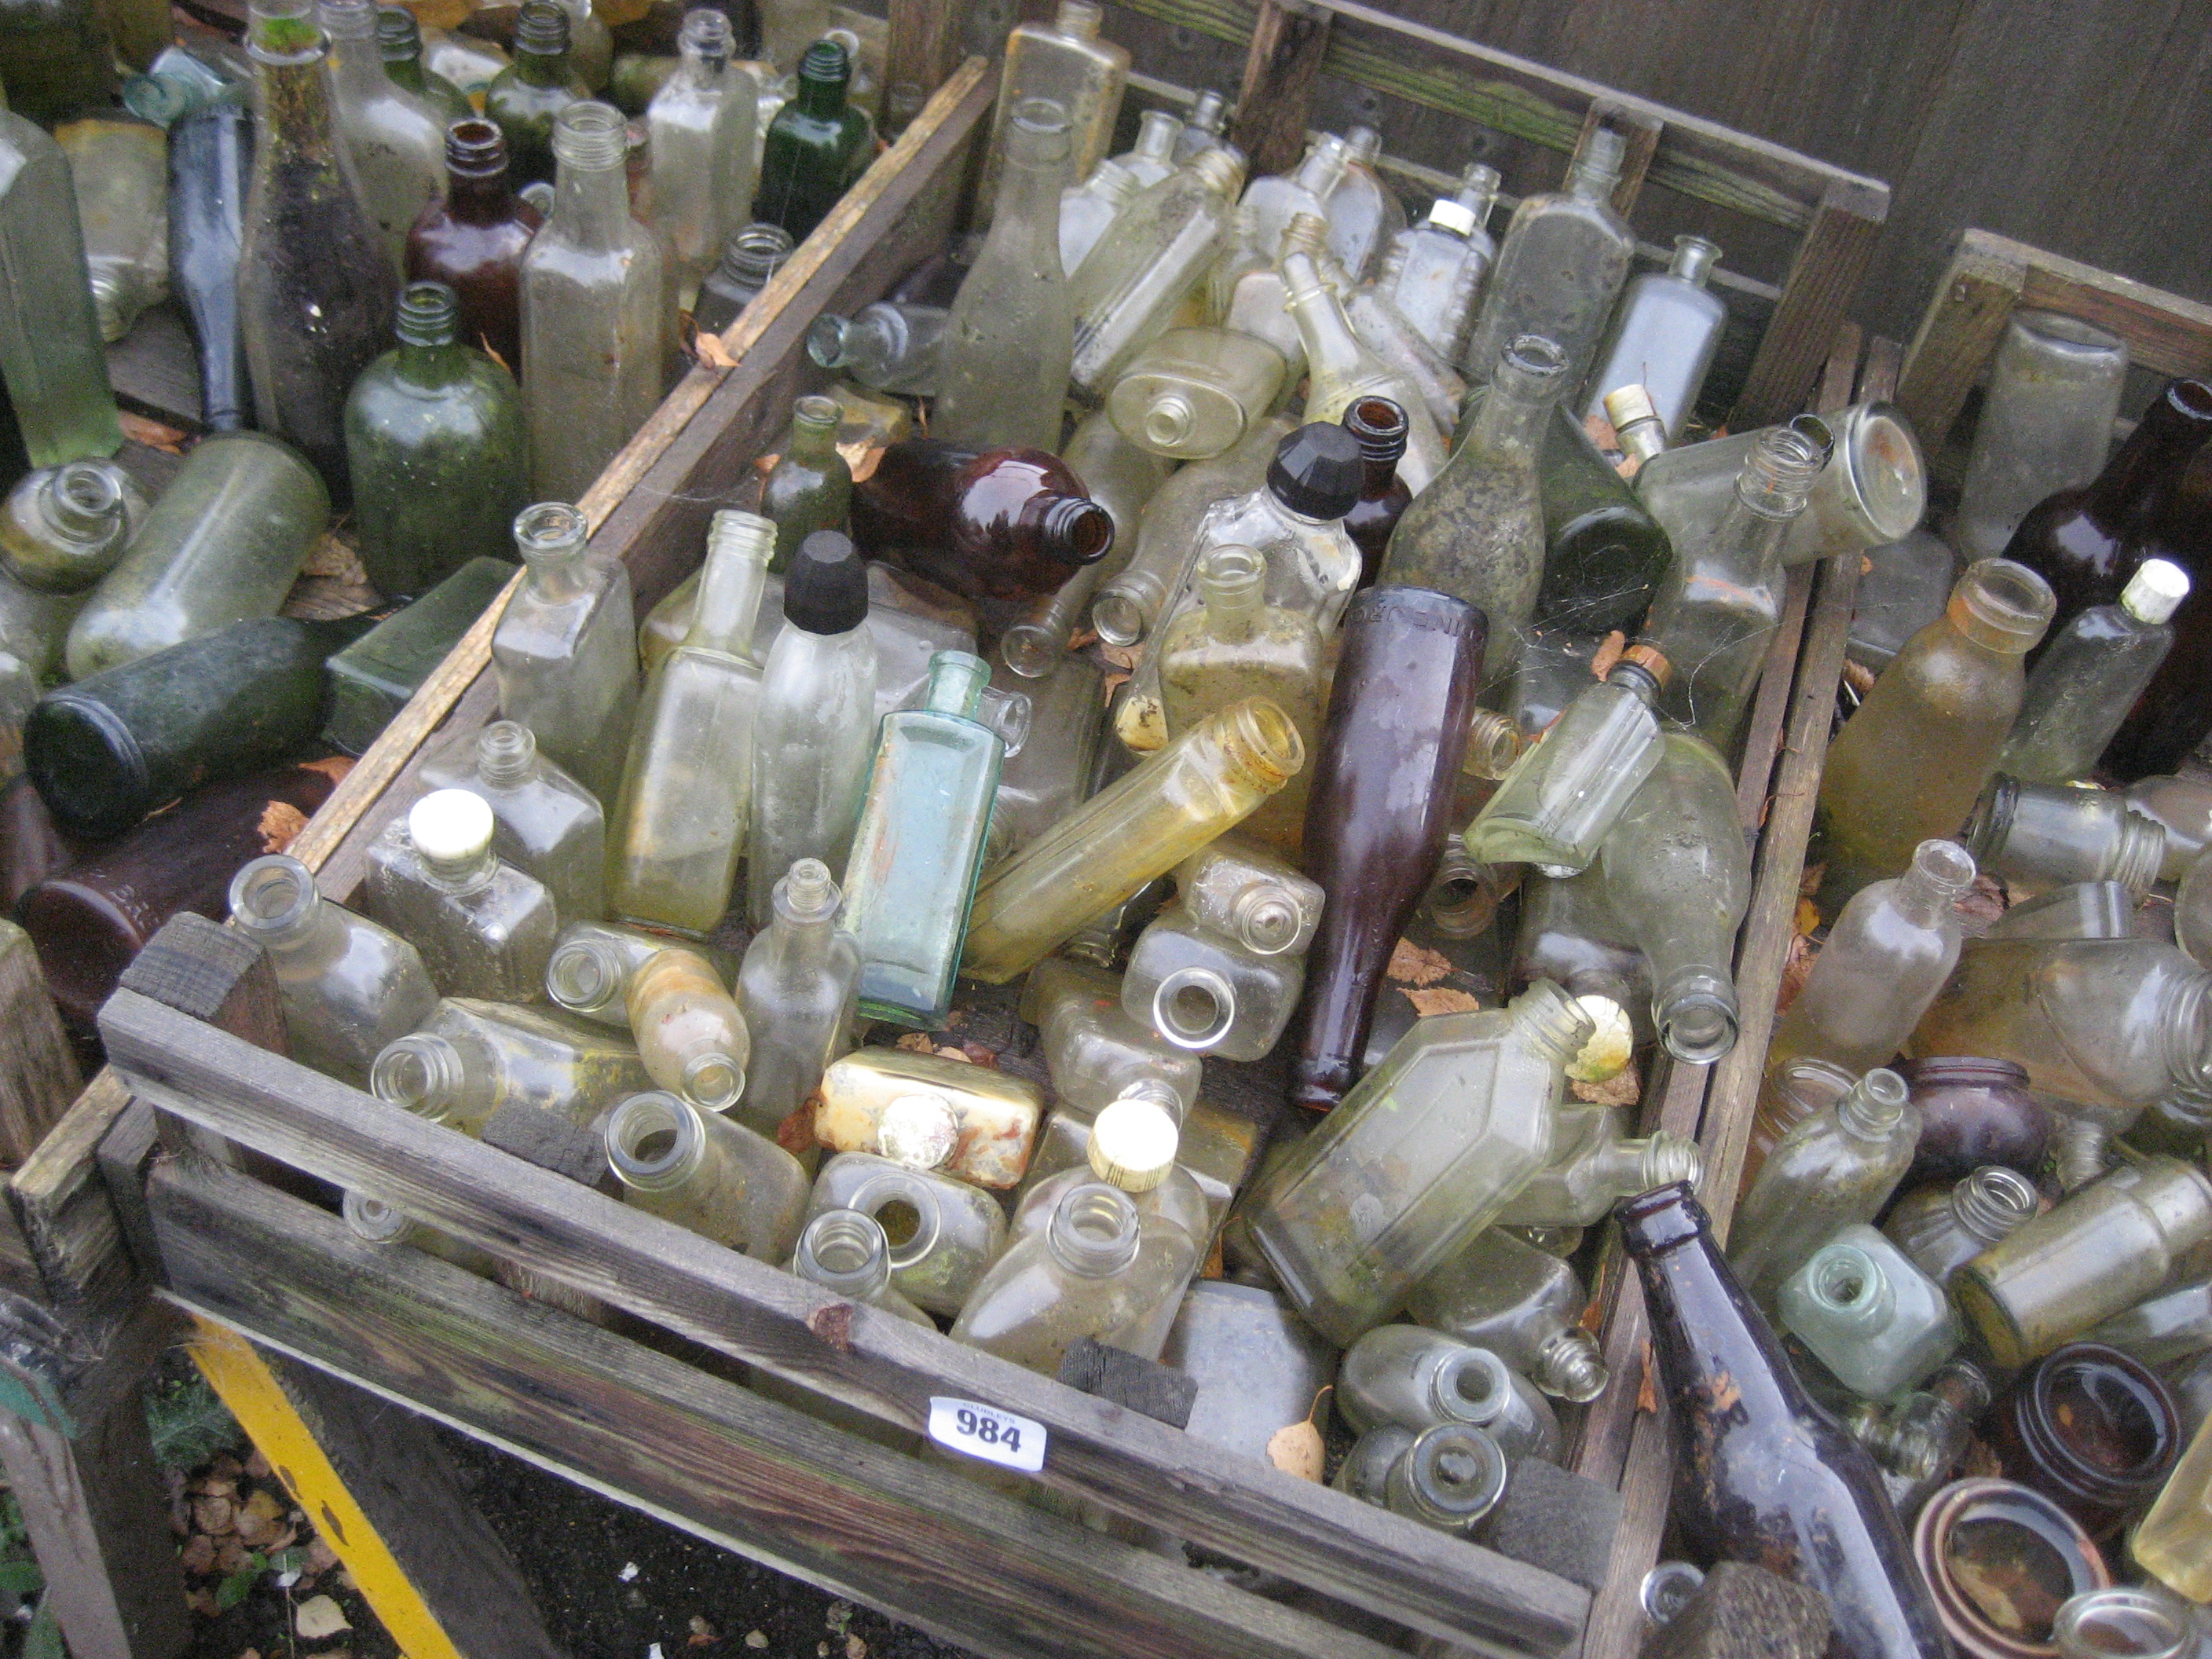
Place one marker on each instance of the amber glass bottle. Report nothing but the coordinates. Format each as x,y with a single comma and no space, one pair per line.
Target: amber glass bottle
1380,427
471,240
2174,712
1008,524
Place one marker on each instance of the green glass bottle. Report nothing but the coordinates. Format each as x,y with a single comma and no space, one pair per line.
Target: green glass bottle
437,450
816,147
50,354
399,41
526,95
1603,554
54,58
810,488
372,679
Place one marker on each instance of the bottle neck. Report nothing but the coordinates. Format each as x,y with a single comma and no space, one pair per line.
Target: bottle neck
1873,1110
466,873
1637,1166
2184,1022
814,433
1333,350
730,588
1323,168
478,197
425,1074
2172,430
846,1253
294,119
543,66
1849,1286
1450,1477
1693,260
1232,581
1939,874
655,1143
275,902
956,680
1551,1022
1516,408
805,901
1992,1203
1025,222
821,97
591,203
1094,1233
551,539
507,754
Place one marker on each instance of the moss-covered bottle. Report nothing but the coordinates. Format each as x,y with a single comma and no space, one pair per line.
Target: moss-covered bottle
811,487
816,147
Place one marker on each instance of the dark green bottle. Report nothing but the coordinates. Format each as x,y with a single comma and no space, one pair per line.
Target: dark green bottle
526,95
816,147
810,488
437,449
399,41
122,743
55,58
372,679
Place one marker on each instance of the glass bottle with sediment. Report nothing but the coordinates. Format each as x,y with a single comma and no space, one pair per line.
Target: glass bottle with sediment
944,1233
471,1058
688,1030
2045,425
591,963
810,488
1523,1304
545,824
1433,271
2088,676
484,929
796,990
706,1173
701,128
396,139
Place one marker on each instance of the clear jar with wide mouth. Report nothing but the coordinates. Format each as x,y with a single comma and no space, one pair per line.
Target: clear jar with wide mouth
943,1233
2125,1624
2046,422
704,1172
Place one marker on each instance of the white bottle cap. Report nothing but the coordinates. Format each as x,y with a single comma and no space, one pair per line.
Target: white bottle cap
450,826
1611,1044
2153,594
1449,215
921,1131
1628,403
1132,1144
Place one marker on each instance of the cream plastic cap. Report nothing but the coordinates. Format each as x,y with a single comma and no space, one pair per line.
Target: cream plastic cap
450,826
2155,590
921,1131
1133,1144
1448,215
1628,403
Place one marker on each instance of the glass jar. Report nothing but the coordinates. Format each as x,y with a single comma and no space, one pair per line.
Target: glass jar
1977,1530
2046,422
1974,1112
2092,1430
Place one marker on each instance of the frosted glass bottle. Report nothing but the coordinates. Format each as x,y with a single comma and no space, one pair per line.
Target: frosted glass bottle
704,1172
679,825
596,324
1595,1163
1247,894
484,927
918,846
565,649
944,1233
1433,271
121,178
1875,1320
471,1058
1556,804
396,139
1664,336
796,990
1564,258
1909,764
1889,952
546,824
62,529
1523,1304
1003,366
1204,781
1364,213
1191,392
349,986
2183,806
50,354
1093,1050
2090,674
1275,201
1415,1379
2172,1325
701,127
1941,1228
1203,991
1477,532
687,1031
1088,208
887,345
1720,601
2046,423
2039,837
1422,1153
1097,1269
1390,338
1067,60
1837,1167
1249,294
848,1254
1340,370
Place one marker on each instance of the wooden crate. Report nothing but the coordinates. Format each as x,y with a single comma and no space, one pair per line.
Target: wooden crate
650,1411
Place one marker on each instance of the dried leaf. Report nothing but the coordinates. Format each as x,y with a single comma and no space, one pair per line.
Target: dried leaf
1216,1267
1624,1088
833,1325
1796,966
1296,1448
948,1051
1601,432
321,1557
711,351
1809,883
795,1134
1608,654
1121,656
1647,1392
152,433
856,1648
702,1633
1980,905
333,558
260,1519
976,1054
915,1043
216,1515
862,459
1441,999
318,1617
755,1639
197,1555
280,822
1416,964
256,1464
335,768
1858,677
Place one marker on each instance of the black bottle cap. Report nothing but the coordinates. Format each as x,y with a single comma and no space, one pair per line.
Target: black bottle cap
1318,471
826,589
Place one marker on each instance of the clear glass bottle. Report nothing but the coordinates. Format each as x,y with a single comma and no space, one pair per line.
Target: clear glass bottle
848,1254
1478,533
1258,1366
1203,991
1007,343
2042,837
2123,1624
810,488
816,146
1067,60
1637,426
396,139
2046,423
1365,214
473,239
1596,1162
886,345
701,126
1874,1319
1414,1378
1097,1269
1448,1477
688,1030
1662,337
1354,1216
2192,913
1202,127
436,450
752,257
918,846
595,325
796,990
50,352
2183,806
1390,338
317,280
211,169
2088,676
349,986
1093,1050
975,1123
546,824
119,170
484,927
679,825
471,1058
1191,393
2172,1325
1433,271
1089,209
1277,199
704,1172
1204,781
1555,806
526,97
588,974
1562,265
1341,369
565,648
223,542
62,529
943,1234
2107,1248
1909,764
1942,1228
1833,1169
1889,952
1922,1438
1523,1304
1247,293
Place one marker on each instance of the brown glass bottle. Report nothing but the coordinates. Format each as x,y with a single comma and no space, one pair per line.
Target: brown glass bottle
2174,712
1380,427
90,920
2080,540
1762,1474
1973,1111
472,238
31,847
1005,524
2091,1429
1381,804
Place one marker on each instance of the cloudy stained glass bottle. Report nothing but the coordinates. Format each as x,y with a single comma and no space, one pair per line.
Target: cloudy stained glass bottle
704,1172
1066,61
2045,425
796,990
396,139
1433,271
545,823
700,126
810,488
62,529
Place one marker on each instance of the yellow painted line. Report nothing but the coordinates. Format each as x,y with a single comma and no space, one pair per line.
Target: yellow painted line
265,1412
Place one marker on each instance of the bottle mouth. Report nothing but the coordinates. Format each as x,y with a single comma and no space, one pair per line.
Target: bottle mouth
1993,1201
828,64
2107,1422
807,891
2123,1623
398,35
1262,741
371,1219
1117,617
1094,1232
475,148
1380,425
1078,530
1843,1279
906,1210
542,28
550,529
1473,1386
1885,473
272,896
416,1073
847,1252
2056,334
1697,1022
2003,606
1195,1008
1667,1589
91,498
713,1081
427,312
1454,1474
590,136
1268,919
652,1139
825,340
284,34
585,976
1532,367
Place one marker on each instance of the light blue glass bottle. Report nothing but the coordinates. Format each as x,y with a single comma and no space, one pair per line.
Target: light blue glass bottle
1868,1315
920,846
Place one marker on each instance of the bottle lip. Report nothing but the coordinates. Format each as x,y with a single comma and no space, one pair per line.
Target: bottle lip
806,892
1667,1589
2045,1405
713,1081
652,1139
550,529
1472,1385
588,135
1844,1282
1662,1219
285,33
371,1219
476,149
1094,1230
100,775
2069,337
426,314
542,28
1078,530
2121,1619
273,896
708,33
1379,428
584,975
1454,1474
1195,1007
894,1183
2001,605
398,34
1945,866
844,1251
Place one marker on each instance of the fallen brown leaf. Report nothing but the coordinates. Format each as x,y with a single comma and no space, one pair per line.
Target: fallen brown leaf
202,1602
152,433
230,1553
1441,999
1647,1393
256,1464
198,1556
1416,964
1809,883
711,351
702,1633
1121,656
216,1515
281,822
1858,677
856,1648
260,1519
1797,969
915,1043
1608,654
1624,1088
319,1616
321,1557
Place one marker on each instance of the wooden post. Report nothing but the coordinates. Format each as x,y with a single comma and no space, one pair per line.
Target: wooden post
924,44
1962,327
38,1074
1824,277
1275,105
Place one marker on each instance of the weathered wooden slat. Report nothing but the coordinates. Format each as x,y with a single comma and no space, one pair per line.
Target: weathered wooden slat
910,1537
755,1313
1275,97
923,47
1643,131
1824,278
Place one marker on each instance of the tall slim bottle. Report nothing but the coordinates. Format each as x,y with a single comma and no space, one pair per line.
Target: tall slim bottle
1341,370
1003,367
1909,765
317,283
211,170
920,845
1565,258
1066,61
50,353
1379,427
397,140
680,825
1381,806
2172,715
816,148
1664,336
701,126
472,239
595,321
1762,1474
525,99
1477,532
796,990
2087,679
